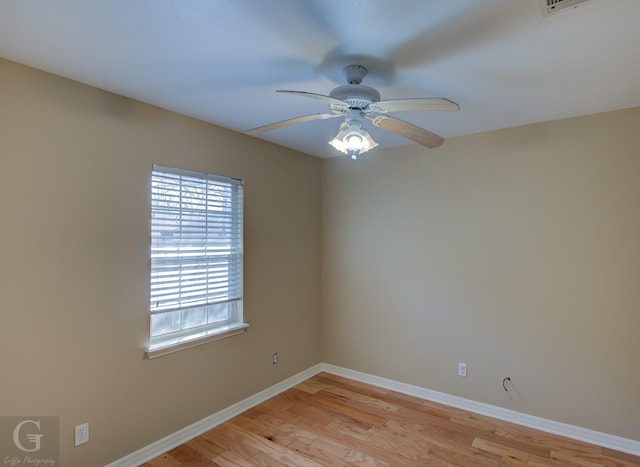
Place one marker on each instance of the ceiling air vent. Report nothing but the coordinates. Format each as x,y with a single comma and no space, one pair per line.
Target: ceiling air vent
550,7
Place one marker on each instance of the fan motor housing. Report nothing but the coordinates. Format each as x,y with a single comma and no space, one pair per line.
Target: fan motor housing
356,95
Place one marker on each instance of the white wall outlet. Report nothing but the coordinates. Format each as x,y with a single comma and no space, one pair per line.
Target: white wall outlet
275,358
82,434
462,369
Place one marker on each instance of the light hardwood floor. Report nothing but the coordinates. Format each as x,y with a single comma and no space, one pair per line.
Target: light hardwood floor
333,421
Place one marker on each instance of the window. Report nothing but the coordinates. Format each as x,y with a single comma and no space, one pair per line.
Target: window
196,259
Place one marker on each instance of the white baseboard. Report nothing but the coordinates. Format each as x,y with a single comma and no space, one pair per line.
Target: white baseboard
167,443
570,431
182,436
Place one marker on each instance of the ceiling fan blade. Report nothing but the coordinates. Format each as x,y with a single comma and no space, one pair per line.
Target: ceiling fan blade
412,132
328,99
397,105
291,121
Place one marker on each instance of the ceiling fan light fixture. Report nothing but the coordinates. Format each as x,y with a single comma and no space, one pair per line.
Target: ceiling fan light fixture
352,139
355,102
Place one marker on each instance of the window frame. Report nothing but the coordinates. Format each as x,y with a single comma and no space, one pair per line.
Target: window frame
196,259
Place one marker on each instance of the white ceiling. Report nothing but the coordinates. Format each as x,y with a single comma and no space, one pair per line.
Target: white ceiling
222,60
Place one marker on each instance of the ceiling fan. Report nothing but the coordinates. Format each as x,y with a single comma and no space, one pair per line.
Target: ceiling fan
355,102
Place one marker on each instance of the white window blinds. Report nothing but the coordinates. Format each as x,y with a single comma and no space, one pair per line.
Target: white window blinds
196,250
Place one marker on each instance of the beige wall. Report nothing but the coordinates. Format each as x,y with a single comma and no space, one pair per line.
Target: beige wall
516,251
75,166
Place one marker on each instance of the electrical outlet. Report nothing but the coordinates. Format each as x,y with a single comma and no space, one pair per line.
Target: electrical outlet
462,369
275,358
82,434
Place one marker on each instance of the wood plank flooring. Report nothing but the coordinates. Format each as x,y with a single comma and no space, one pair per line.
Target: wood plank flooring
333,421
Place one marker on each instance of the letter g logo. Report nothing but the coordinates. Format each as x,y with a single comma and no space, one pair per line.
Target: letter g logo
33,438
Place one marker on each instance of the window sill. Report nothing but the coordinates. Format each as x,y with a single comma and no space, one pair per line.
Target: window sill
181,343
